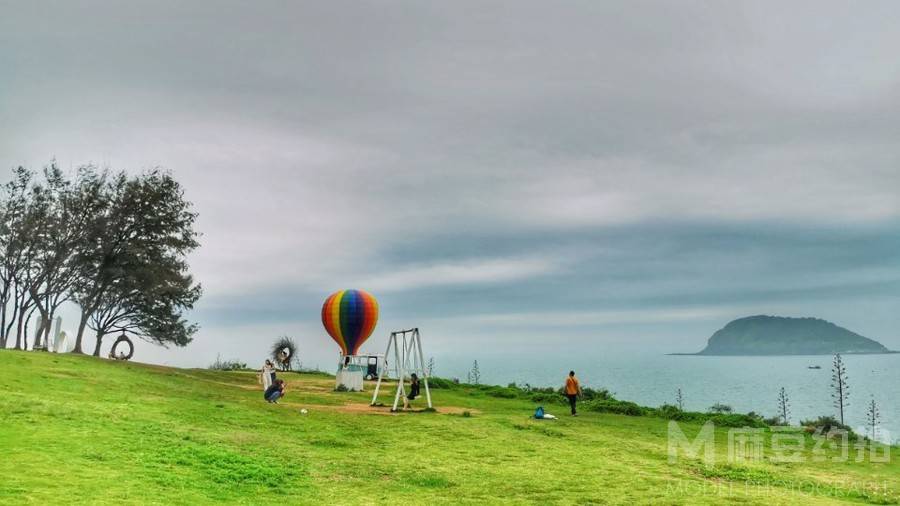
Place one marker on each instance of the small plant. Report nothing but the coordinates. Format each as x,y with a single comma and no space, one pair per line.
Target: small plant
783,408
679,400
840,394
227,365
721,408
467,414
873,418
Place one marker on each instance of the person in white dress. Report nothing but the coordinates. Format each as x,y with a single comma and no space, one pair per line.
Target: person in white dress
268,371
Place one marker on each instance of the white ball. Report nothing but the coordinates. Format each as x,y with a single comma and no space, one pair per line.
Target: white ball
303,411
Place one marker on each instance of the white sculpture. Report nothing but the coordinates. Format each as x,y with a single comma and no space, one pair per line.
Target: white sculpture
57,340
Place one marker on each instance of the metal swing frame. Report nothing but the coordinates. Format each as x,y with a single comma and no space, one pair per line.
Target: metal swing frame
407,359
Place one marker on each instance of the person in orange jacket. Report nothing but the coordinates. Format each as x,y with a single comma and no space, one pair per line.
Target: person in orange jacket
573,390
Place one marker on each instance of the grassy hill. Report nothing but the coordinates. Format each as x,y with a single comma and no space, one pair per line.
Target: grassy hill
76,430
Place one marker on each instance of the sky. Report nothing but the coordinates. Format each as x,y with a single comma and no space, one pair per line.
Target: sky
516,177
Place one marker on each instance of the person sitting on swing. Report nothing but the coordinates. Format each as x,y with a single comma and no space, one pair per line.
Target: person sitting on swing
413,389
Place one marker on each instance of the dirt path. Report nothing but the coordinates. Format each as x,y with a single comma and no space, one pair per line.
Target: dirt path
363,408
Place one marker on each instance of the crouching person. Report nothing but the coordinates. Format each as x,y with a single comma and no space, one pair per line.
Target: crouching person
275,391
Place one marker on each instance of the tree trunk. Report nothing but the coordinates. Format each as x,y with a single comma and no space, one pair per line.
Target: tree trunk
3,324
19,330
3,336
48,327
39,338
100,335
80,337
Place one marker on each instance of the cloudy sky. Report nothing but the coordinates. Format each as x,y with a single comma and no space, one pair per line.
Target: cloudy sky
538,177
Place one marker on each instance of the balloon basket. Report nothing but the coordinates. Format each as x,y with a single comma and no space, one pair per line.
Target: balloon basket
354,369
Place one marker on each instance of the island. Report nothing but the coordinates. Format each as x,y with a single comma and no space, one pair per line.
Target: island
778,335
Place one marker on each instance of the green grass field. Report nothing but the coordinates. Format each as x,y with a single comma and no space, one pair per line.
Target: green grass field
80,430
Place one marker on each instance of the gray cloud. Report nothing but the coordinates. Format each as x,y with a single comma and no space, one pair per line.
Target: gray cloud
476,163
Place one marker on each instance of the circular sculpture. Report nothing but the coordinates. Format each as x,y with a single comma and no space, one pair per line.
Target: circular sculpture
350,316
283,351
122,339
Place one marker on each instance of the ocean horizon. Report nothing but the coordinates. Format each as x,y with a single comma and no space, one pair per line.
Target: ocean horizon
746,383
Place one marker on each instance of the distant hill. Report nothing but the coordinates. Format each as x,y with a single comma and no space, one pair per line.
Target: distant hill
777,335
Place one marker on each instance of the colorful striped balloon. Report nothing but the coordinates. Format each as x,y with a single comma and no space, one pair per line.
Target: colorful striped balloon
349,317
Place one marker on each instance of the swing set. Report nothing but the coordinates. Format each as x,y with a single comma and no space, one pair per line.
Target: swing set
407,359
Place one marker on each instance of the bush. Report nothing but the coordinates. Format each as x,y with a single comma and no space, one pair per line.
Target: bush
503,393
615,406
590,394
737,420
441,383
825,424
227,365
546,398
720,408
670,412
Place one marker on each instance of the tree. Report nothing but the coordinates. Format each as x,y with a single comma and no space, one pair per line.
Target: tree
72,207
429,370
679,400
149,301
783,408
474,374
14,204
873,419
840,393
131,267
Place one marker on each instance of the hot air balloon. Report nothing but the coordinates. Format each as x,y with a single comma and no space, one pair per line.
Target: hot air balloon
350,316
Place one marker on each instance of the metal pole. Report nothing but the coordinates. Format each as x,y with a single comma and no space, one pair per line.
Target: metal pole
381,371
422,361
400,373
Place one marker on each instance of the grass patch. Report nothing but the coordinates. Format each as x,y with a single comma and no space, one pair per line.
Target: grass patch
80,430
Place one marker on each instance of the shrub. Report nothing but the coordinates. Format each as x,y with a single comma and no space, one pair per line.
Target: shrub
720,408
590,394
227,365
825,424
503,393
442,383
547,398
671,412
737,420
615,406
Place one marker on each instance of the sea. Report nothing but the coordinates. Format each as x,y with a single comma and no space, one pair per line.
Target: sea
744,383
